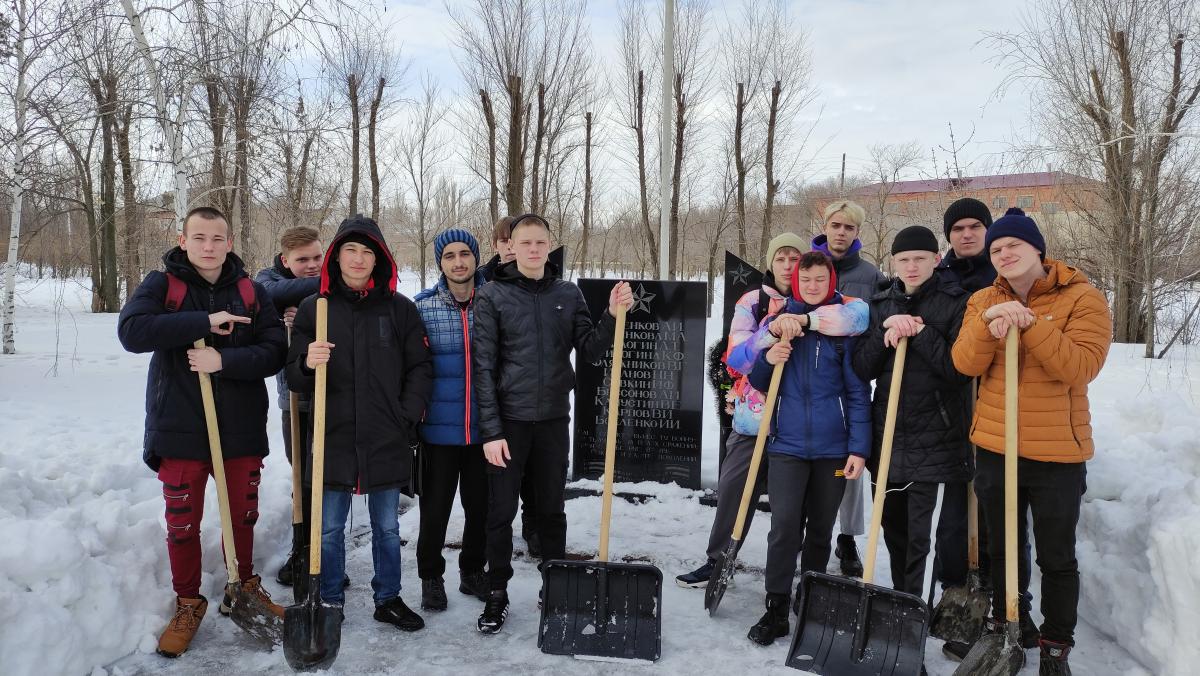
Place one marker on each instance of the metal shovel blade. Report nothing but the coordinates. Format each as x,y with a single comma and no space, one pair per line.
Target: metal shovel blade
599,609
960,612
847,627
312,631
300,576
718,582
995,654
252,615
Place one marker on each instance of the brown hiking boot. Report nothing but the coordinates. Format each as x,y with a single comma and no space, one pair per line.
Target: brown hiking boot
253,587
178,635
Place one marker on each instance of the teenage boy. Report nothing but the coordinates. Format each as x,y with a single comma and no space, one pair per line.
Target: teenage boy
858,279
930,445
527,322
1065,332
378,383
821,439
204,293
503,246
295,275
748,336
451,450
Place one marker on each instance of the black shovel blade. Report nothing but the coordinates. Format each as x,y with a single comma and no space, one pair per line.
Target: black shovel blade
252,615
718,582
300,576
601,610
995,654
847,627
312,631
960,612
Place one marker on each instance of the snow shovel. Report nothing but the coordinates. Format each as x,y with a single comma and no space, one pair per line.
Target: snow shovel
850,627
312,630
722,573
246,610
299,558
1002,654
961,611
600,609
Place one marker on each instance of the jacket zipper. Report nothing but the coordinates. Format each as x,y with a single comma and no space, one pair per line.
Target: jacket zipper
808,431
467,352
537,312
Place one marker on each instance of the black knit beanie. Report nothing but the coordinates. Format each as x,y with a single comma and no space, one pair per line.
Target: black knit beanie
966,207
915,238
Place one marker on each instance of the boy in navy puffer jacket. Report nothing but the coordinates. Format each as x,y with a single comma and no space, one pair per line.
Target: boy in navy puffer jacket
821,438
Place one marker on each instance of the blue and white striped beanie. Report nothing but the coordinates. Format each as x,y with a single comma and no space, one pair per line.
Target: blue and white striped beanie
455,235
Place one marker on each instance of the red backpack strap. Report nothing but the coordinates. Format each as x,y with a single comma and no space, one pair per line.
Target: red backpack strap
249,298
176,290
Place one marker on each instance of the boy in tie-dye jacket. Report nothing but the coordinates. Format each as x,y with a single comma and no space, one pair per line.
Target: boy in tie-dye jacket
748,336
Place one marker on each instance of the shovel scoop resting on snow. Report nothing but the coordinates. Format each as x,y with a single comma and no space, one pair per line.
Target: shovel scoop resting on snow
851,627
598,608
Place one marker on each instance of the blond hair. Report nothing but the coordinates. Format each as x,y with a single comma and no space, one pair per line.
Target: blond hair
298,236
851,209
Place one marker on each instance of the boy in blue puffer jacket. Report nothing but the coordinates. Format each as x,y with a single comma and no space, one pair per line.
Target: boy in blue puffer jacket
451,449
821,438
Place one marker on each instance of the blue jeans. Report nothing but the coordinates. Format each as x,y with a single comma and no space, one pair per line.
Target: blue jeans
385,544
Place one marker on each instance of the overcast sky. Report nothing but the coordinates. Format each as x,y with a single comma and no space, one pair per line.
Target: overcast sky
887,71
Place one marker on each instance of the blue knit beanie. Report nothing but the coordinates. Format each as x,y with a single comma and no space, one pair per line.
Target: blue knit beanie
455,235
1014,223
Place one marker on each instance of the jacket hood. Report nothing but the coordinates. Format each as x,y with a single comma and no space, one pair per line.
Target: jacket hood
176,262
507,272
829,294
821,243
1058,275
951,261
384,274
282,269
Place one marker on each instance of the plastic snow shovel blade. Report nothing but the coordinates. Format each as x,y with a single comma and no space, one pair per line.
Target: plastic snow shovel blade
312,631
960,612
994,655
847,627
718,581
252,615
603,610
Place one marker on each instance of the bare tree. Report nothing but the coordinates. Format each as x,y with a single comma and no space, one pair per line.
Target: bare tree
1125,76
422,150
888,162
633,86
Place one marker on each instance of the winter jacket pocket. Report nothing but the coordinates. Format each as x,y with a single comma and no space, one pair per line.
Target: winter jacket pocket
942,408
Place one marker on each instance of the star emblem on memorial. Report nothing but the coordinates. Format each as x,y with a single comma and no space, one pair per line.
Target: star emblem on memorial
641,300
741,275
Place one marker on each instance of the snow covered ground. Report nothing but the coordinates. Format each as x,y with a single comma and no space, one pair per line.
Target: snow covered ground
85,586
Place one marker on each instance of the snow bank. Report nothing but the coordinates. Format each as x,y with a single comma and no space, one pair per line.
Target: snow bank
1139,532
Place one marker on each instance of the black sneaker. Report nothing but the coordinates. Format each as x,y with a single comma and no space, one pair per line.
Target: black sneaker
433,594
394,611
1053,660
495,611
697,578
956,650
284,576
474,584
847,553
345,581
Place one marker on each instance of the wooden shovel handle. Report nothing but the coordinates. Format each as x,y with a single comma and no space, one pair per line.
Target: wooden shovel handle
1011,591
885,460
218,466
610,440
297,451
760,442
318,446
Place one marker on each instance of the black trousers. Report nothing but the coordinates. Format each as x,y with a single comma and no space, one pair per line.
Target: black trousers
306,445
539,454
446,470
1052,493
805,497
907,524
528,517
